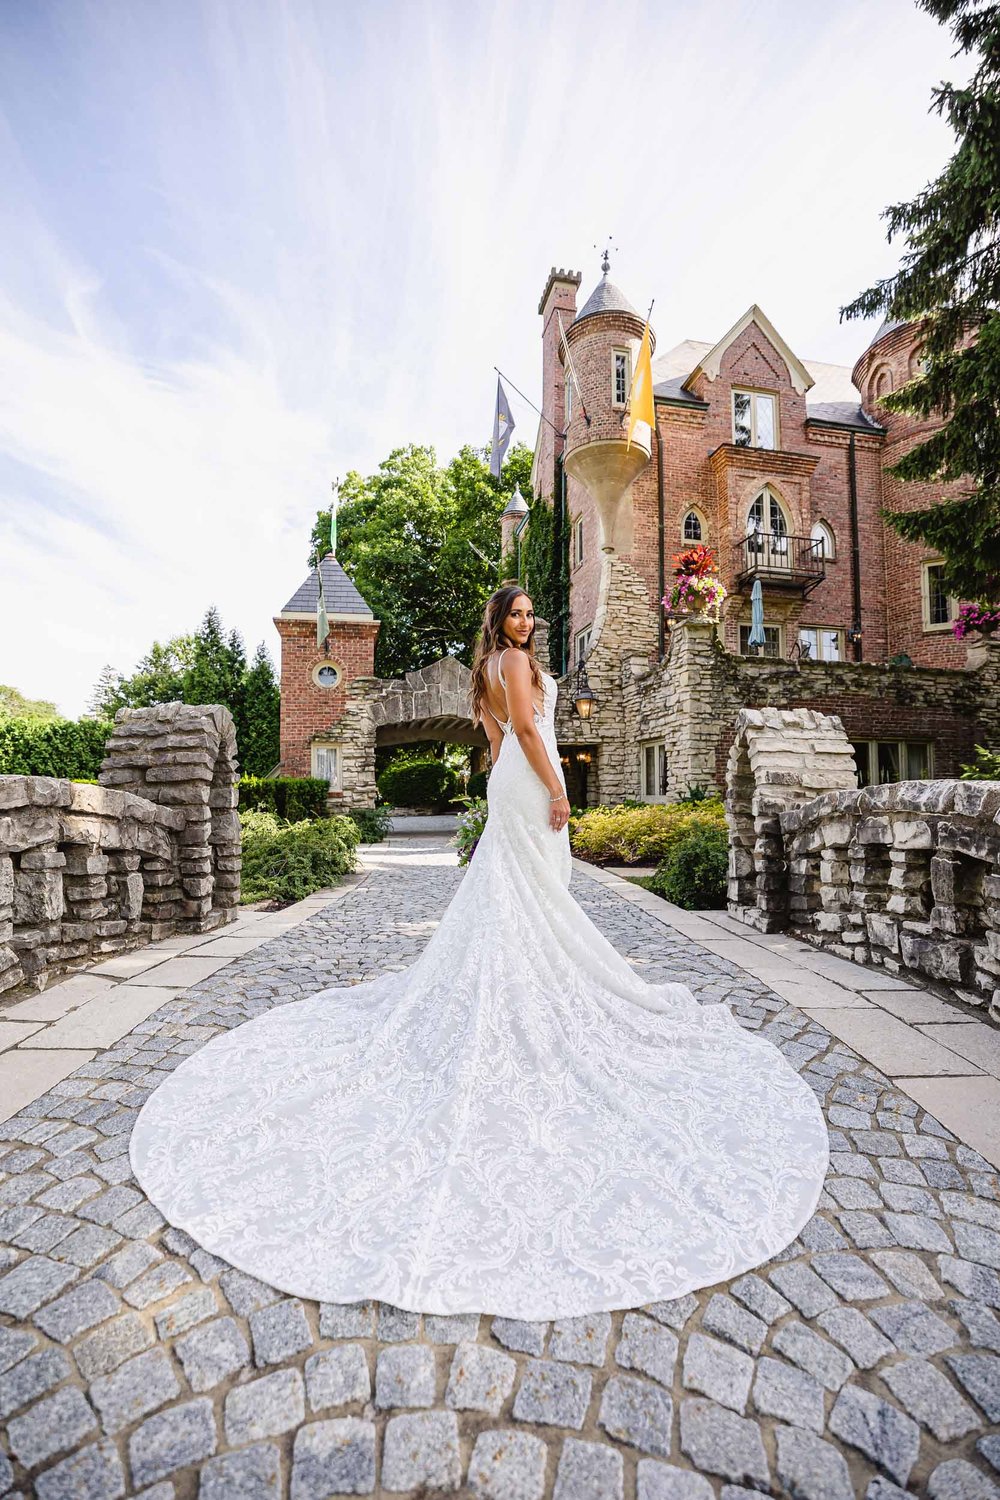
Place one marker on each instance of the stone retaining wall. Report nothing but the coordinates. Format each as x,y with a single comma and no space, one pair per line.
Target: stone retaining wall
904,875
86,871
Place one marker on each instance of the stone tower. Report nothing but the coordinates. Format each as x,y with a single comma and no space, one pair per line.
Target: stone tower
604,340
315,679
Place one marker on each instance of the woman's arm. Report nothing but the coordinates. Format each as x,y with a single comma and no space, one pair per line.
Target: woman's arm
521,708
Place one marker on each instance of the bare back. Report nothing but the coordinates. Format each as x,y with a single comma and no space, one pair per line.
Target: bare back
494,676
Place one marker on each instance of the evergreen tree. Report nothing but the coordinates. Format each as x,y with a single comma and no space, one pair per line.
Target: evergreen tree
257,734
949,282
107,692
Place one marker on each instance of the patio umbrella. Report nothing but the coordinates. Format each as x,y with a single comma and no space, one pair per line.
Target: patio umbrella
757,636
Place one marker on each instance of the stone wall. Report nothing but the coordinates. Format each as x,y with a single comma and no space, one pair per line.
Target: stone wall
904,875
86,871
691,699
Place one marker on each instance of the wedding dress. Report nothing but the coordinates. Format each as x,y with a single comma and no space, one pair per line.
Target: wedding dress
516,1124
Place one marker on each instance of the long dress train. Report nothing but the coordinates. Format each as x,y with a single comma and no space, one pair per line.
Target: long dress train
516,1124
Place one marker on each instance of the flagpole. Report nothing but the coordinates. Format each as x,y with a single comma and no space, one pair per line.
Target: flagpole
628,399
572,368
529,401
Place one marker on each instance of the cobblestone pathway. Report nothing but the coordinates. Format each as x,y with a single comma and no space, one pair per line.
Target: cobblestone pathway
863,1362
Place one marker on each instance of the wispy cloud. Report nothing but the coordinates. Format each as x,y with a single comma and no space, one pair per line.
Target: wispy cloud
248,244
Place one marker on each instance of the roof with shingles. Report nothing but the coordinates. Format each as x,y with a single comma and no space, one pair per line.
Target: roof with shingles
339,592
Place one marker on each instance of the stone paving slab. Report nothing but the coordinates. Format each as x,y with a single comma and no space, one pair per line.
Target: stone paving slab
863,1362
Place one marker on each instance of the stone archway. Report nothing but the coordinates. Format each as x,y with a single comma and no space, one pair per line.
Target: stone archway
430,703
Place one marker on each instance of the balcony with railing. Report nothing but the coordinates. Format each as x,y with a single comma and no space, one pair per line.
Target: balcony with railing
779,560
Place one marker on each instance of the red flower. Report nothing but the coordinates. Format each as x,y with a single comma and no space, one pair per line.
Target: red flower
696,562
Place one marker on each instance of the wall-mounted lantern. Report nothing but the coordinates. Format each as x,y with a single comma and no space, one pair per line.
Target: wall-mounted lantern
583,694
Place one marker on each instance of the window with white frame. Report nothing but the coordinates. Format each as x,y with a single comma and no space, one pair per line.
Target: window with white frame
578,541
822,536
326,762
772,641
693,529
582,644
621,379
568,398
939,607
653,771
821,643
879,761
755,419
767,527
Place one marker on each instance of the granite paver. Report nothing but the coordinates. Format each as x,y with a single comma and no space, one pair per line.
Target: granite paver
863,1361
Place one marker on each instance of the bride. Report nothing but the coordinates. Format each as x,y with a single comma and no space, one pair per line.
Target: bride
516,1124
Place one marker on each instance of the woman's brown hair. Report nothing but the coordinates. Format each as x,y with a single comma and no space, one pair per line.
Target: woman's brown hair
491,638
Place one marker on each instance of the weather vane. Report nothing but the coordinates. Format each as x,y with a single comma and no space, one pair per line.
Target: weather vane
606,257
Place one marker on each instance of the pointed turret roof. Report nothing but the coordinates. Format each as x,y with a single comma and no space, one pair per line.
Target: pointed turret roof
605,297
342,598
516,505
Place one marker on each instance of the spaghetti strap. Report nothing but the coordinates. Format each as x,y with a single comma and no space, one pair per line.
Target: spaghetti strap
500,658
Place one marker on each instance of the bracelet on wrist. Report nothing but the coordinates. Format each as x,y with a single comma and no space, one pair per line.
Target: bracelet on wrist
558,797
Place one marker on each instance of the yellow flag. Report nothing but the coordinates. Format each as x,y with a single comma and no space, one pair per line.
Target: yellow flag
641,399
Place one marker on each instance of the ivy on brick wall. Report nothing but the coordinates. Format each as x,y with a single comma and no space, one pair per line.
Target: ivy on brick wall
545,574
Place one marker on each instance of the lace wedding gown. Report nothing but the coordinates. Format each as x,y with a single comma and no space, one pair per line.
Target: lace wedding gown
516,1124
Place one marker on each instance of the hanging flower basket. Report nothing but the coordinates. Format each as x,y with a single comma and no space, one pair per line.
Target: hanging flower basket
697,589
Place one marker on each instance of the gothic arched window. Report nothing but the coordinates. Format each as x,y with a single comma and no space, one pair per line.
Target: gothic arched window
767,525
693,529
823,535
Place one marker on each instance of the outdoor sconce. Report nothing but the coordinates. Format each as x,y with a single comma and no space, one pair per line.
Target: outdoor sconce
583,695
854,635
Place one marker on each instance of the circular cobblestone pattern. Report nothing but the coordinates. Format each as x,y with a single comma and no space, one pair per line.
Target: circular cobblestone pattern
862,1362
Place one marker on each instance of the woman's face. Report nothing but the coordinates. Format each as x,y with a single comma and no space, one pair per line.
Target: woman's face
518,624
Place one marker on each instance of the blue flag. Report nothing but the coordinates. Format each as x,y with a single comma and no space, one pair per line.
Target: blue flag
503,426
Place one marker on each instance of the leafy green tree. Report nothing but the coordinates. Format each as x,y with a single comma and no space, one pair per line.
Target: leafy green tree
403,536
15,705
159,678
949,282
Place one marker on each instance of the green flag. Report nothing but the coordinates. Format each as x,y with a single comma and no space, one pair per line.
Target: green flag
322,623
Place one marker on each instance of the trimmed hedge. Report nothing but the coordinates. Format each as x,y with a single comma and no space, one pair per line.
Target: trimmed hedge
642,833
290,797
694,873
284,861
476,785
53,747
421,783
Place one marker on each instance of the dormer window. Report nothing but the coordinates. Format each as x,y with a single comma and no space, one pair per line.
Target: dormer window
754,419
621,377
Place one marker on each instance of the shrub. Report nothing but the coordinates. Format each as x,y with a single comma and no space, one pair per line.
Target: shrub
476,785
422,783
470,827
985,767
53,747
285,861
693,874
290,797
640,834
373,822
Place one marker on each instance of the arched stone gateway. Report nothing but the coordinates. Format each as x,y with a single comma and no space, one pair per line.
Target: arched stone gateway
430,703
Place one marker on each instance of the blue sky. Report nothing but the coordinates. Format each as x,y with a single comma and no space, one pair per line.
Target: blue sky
251,244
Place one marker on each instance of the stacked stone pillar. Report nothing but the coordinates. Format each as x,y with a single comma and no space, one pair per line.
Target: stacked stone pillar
183,756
